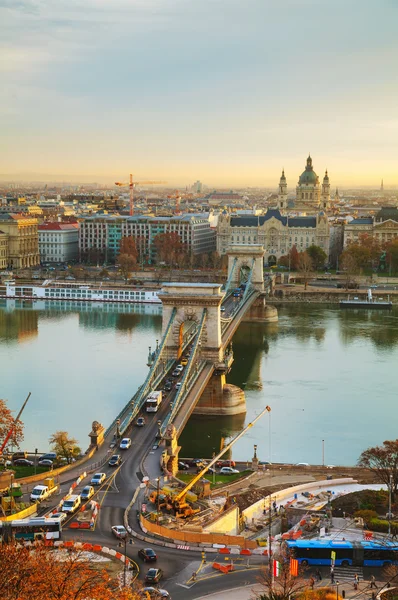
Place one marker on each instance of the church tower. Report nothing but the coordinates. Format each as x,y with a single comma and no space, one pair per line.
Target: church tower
337,196
325,195
282,192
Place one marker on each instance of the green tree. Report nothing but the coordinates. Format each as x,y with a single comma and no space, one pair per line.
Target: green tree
383,462
318,256
64,445
305,267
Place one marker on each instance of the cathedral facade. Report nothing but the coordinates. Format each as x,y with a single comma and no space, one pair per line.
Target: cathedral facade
311,196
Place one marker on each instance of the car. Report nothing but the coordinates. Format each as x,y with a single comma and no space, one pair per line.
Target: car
147,554
176,373
46,462
226,463
115,460
184,362
155,593
70,278
58,516
154,575
169,380
196,461
87,492
125,444
302,464
222,309
23,462
98,478
120,531
49,456
182,466
179,368
140,422
228,471
209,470
17,455
168,387
178,385
265,462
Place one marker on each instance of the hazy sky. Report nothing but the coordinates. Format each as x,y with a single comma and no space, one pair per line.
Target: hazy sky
226,91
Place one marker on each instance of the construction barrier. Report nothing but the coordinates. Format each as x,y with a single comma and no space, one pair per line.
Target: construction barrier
223,568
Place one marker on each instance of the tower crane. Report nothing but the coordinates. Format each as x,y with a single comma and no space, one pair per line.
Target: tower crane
177,197
9,434
131,183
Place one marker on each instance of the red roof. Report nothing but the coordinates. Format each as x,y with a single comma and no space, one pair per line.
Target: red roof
57,226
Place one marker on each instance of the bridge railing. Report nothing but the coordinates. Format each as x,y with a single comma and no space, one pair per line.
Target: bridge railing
192,361
230,276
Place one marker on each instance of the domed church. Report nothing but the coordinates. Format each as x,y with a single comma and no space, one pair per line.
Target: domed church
310,196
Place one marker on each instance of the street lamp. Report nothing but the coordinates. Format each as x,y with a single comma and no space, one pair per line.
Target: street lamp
337,590
389,505
323,453
157,500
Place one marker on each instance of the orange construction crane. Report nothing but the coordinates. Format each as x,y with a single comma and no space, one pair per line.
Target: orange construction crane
131,185
177,197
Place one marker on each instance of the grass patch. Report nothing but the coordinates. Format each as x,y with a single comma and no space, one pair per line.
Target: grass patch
219,479
28,471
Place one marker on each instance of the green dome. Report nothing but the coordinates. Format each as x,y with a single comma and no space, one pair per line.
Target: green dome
308,177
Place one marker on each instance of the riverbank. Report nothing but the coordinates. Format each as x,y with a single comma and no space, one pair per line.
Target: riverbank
297,293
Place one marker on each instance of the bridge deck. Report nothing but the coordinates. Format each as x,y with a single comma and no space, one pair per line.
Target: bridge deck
235,322
192,397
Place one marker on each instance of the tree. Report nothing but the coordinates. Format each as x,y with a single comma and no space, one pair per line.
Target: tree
7,423
64,445
294,258
127,263
318,256
284,587
305,267
169,247
383,461
104,273
392,255
349,266
38,574
128,246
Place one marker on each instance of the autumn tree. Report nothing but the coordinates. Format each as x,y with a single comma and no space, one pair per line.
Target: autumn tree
392,255
383,462
293,258
104,273
8,423
283,587
64,445
169,247
38,574
127,259
318,256
349,266
305,267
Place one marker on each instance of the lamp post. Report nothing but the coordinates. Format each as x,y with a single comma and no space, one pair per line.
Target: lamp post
389,505
214,470
337,590
159,433
323,453
125,559
157,500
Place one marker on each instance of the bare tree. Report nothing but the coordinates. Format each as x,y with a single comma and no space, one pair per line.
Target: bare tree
349,266
305,267
383,461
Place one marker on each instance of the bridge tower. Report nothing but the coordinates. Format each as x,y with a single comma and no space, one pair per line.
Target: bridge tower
241,259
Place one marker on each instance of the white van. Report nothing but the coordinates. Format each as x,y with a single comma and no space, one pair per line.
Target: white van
71,504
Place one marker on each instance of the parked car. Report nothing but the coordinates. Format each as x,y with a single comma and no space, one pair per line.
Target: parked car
228,471
23,462
87,493
196,462
125,444
119,531
18,455
49,456
226,463
98,478
302,464
182,466
154,575
46,462
140,422
115,460
147,554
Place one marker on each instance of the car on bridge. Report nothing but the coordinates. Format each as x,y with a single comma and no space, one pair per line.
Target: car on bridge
184,362
179,368
98,478
140,422
125,444
176,373
115,460
168,387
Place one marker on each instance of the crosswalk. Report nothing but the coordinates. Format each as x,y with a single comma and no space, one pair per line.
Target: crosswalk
347,573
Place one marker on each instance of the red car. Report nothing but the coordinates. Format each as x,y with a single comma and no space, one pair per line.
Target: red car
225,463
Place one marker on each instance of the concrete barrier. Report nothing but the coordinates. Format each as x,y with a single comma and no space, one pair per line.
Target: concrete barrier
22,514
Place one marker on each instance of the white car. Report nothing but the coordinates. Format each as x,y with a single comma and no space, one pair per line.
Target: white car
180,368
303,464
59,516
98,478
119,531
228,471
178,385
125,444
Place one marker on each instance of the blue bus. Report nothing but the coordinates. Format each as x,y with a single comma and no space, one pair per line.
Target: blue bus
348,553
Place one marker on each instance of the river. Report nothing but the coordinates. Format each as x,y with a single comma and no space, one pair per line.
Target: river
327,374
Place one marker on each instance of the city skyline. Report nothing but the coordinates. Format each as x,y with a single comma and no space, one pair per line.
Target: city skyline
221,91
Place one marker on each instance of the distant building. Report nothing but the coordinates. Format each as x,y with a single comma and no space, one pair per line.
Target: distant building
223,198
383,226
275,232
102,234
58,242
197,187
310,195
23,240
3,250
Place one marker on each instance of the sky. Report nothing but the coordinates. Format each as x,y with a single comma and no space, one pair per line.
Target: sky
225,91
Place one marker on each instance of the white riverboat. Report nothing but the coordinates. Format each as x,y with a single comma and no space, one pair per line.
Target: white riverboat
55,290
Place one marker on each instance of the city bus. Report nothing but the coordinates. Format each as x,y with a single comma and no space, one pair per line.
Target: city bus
30,530
347,553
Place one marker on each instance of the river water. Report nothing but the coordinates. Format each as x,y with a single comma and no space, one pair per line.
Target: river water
327,374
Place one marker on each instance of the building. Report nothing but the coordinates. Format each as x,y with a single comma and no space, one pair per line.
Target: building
223,198
23,240
310,195
3,250
58,242
383,227
275,232
100,236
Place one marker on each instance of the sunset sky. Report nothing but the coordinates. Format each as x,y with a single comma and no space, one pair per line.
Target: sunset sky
225,91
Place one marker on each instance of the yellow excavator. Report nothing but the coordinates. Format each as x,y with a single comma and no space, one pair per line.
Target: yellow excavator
178,502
